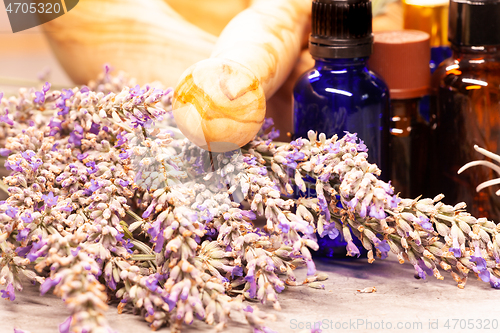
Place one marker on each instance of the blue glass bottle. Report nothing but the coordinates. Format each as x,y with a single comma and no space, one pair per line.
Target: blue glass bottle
339,93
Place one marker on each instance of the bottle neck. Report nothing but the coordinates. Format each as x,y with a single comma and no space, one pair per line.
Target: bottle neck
467,53
341,64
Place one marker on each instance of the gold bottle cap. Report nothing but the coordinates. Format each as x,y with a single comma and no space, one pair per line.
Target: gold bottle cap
430,16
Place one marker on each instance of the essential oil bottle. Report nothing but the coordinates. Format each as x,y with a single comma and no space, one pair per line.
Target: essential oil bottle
467,88
401,58
430,16
339,93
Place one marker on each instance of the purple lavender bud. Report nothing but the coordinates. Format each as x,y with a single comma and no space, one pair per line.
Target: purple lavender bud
123,183
323,205
93,168
125,155
382,246
95,128
5,118
297,143
253,286
377,212
40,97
268,122
82,156
27,218
49,283
49,199
148,211
23,251
46,87
249,214
8,293
64,111
23,234
94,185
331,231
121,139
456,248
351,138
66,93
236,271
352,249
484,275
4,152
420,272
352,203
248,308
334,148
64,326
317,328
68,208
111,283
324,177
275,133
74,252
160,240
84,89
75,138
494,281
394,201
311,267
361,147
480,262
11,212
151,283
425,223
265,329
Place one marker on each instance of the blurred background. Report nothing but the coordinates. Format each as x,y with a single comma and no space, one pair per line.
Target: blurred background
25,55
26,59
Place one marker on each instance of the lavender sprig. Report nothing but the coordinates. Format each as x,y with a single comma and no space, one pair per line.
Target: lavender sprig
425,232
107,193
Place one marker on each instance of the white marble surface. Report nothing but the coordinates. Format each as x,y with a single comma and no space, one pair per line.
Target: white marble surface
400,299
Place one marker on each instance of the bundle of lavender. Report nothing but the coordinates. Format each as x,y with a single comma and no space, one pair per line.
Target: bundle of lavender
106,199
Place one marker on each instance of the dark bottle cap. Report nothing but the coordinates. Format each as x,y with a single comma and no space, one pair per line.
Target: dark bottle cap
474,22
341,29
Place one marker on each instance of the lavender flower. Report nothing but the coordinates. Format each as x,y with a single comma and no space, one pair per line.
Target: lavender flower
8,292
104,188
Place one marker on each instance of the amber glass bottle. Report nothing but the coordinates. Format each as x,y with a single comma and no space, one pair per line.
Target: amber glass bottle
467,88
401,58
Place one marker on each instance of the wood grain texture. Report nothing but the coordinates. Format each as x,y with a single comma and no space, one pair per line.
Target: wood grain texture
255,53
219,104
146,38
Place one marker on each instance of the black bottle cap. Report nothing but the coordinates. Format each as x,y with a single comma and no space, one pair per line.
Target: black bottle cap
341,29
474,22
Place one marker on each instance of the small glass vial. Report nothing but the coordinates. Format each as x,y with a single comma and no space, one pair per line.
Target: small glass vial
339,93
430,16
468,106
401,58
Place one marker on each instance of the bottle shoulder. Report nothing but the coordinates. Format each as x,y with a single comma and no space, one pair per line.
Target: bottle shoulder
356,81
467,68
453,71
